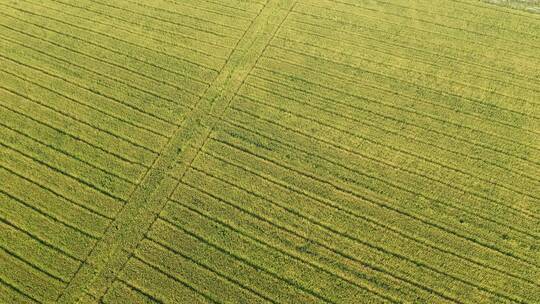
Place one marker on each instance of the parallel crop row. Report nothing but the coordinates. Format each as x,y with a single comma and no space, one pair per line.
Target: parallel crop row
91,93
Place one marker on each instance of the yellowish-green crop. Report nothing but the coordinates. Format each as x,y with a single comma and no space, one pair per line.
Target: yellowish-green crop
269,151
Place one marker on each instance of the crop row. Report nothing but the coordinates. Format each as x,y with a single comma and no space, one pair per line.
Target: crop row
468,217
150,67
445,157
300,172
142,153
85,174
102,15
384,60
526,18
266,256
203,279
252,7
203,32
380,116
517,116
412,39
203,18
438,18
481,14
347,103
44,259
52,205
86,147
80,154
12,294
405,252
503,44
265,215
379,199
269,246
93,198
484,21
195,54
63,63
268,193
226,263
331,158
79,28
161,286
147,116
499,135
359,138
22,104
404,56
20,274
338,207
375,171
417,110
215,9
124,292
421,109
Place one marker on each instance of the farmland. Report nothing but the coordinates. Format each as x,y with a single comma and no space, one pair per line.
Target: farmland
527,5
269,151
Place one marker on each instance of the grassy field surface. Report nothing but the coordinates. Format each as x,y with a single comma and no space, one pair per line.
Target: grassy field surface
269,151
527,5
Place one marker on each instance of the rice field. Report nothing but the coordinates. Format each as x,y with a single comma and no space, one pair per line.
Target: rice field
269,151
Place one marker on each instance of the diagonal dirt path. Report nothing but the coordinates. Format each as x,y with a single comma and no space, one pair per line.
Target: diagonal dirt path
114,249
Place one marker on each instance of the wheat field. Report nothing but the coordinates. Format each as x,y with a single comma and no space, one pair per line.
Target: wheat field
269,151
